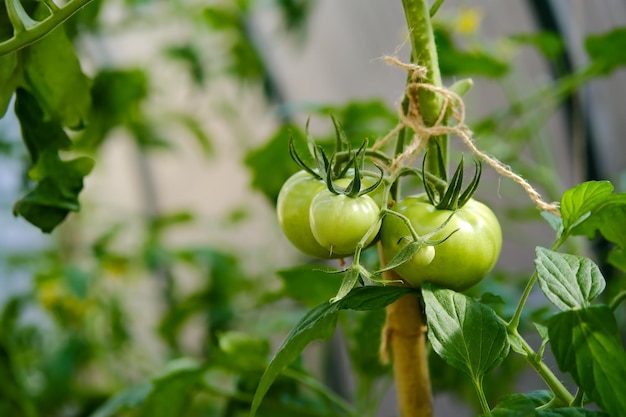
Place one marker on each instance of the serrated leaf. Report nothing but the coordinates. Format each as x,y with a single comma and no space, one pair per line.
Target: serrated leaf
587,344
130,398
319,323
466,334
568,281
601,49
310,284
609,220
52,73
579,202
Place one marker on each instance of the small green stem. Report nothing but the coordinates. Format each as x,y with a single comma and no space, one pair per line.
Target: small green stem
436,5
578,399
478,385
514,323
617,300
535,361
37,30
423,47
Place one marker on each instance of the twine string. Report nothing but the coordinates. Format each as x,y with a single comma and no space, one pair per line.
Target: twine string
454,108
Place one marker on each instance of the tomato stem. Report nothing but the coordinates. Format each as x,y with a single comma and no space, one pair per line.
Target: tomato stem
34,30
424,50
405,334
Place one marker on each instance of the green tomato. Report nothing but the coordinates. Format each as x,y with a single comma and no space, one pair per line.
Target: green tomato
462,260
292,207
339,222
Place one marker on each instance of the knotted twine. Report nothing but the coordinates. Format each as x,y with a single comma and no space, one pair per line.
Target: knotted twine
454,108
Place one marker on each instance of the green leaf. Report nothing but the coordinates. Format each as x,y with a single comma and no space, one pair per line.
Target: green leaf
310,284
172,391
520,405
130,398
601,49
466,334
587,344
579,202
568,281
59,182
242,351
609,220
570,412
456,62
9,79
52,73
116,97
525,405
319,323
549,44
363,333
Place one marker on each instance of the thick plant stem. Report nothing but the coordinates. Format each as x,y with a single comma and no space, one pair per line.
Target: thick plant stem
404,335
423,48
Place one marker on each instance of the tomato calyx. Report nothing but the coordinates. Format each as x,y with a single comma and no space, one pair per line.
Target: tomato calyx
353,189
450,196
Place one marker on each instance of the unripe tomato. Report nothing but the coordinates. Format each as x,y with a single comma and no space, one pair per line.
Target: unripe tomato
462,260
292,207
339,222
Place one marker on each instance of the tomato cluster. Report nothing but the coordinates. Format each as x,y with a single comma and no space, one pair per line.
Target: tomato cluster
444,236
323,224
326,225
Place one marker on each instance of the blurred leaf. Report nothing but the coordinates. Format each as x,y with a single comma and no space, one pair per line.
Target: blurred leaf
189,55
295,13
320,323
602,50
363,333
466,334
59,182
455,62
196,129
52,73
609,222
549,44
220,17
587,344
116,96
271,164
130,398
568,281
310,284
362,120
243,352
172,392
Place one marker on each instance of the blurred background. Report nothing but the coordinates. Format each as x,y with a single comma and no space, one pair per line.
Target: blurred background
176,249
